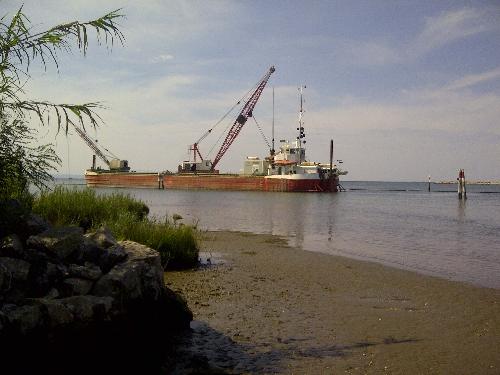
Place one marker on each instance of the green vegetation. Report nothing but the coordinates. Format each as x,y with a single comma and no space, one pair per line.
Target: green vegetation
177,245
21,161
126,217
63,206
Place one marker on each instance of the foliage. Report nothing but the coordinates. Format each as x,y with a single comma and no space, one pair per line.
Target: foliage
63,206
19,48
177,245
21,163
125,216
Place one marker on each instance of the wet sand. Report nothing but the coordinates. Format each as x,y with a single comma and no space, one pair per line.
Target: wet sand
270,308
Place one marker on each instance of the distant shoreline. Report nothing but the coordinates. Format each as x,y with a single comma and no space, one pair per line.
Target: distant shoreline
469,182
445,182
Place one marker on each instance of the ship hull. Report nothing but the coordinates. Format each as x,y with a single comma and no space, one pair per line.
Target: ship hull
208,182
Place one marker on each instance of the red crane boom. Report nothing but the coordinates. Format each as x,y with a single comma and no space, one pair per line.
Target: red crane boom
245,113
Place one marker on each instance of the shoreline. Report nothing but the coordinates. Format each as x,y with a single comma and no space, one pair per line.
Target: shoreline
270,307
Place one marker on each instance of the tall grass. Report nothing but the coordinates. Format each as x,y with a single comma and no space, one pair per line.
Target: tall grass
63,206
177,245
125,216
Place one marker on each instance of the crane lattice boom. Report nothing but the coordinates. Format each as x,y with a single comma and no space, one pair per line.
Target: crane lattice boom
92,145
242,118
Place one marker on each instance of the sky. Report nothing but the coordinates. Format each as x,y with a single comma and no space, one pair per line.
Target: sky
406,89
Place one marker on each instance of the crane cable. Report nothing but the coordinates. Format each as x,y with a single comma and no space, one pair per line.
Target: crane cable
261,132
243,98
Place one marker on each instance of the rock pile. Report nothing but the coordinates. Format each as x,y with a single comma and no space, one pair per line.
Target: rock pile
80,295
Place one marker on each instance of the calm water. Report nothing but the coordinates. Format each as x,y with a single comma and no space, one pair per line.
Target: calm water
399,224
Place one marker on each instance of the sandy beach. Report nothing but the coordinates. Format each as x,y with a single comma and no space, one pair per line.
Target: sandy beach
271,308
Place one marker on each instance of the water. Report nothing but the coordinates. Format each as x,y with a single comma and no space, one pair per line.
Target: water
397,224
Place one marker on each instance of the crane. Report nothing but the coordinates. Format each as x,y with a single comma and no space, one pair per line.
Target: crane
114,164
207,166
242,118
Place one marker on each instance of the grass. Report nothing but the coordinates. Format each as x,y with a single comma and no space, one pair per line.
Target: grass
126,217
177,245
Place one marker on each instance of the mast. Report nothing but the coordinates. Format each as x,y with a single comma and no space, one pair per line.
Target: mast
301,123
272,147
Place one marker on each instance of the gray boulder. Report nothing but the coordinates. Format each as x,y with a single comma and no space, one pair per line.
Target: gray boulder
35,224
88,308
23,319
89,251
103,237
88,271
58,242
140,277
74,286
111,257
43,276
11,246
16,269
57,313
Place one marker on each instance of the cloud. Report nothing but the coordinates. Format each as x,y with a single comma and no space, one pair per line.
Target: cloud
474,79
366,53
161,58
437,31
449,27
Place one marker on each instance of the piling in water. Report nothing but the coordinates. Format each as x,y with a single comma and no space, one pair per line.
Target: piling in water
462,191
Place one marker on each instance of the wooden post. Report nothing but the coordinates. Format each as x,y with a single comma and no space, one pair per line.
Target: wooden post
463,184
429,186
462,192
459,186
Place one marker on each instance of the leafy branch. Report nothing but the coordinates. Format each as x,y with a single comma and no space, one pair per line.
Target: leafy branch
19,48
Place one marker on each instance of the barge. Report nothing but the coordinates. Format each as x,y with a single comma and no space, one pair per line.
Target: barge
288,170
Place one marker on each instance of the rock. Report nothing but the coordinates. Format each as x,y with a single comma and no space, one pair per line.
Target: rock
4,279
112,256
11,218
137,252
88,308
35,224
74,286
123,283
43,276
90,251
57,313
34,255
52,294
17,269
11,246
140,277
88,271
58,242
151,275
23,319
103,237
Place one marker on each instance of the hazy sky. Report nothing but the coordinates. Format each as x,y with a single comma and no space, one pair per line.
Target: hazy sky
404,88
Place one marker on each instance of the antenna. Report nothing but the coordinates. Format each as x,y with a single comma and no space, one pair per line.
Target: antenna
272,149
301,123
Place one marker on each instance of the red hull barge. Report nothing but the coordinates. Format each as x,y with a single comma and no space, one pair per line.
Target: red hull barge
207,182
